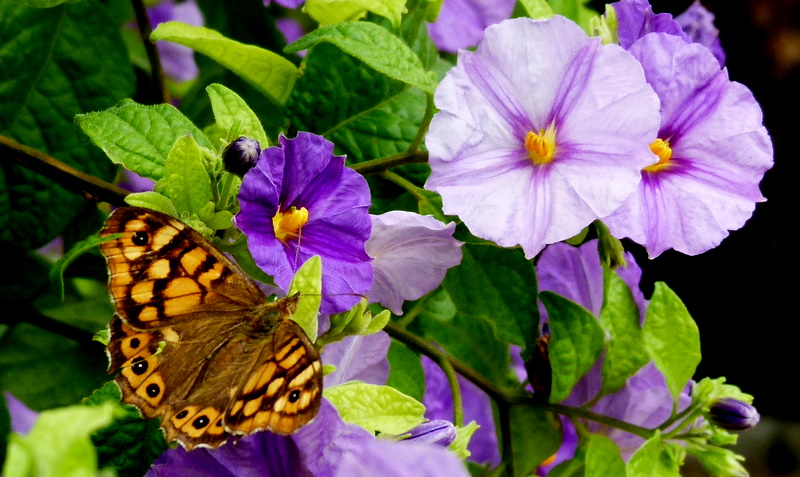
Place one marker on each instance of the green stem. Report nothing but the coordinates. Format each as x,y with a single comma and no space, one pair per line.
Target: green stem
455,390
412,314
404,183
506,446
423,127
376,166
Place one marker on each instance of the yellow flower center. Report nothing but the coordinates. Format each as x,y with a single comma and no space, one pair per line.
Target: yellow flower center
288,223
541,146
661,149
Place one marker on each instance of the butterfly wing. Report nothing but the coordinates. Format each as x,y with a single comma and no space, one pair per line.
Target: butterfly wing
161,271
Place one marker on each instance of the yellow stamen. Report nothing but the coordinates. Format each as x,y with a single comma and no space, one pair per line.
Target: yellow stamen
288,223
541,147
661,149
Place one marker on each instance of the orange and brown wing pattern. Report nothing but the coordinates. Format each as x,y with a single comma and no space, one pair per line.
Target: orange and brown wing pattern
283,389
163,271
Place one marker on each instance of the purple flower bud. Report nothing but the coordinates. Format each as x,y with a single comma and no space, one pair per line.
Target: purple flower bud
241,155
439,432
734,415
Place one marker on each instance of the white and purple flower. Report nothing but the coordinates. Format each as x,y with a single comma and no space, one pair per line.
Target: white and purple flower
711,153
411,254
541,131
300,201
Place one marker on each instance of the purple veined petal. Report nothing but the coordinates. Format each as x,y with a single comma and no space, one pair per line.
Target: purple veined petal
385,458
636,19
358,358
22,417
720,152
477,407
698,24
411,254
461,23
177,60
525,77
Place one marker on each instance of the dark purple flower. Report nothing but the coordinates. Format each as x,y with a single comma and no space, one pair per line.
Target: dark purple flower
477,407
286,3
300,201
711,153
411,254
241,155
698,24
636,19
461,23
733,414
176,60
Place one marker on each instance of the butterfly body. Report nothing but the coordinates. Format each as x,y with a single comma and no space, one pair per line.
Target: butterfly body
196,342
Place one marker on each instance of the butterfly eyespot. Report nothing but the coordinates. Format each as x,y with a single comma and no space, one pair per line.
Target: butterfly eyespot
140,238
140,367
153,390
134,343
181,414
294,396
200,422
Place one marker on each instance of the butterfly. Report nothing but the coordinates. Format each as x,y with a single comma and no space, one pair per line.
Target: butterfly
195,342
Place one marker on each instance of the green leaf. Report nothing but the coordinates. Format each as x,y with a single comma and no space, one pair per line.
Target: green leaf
651,460
42,3
308,282
129,444
405,371
535,436
328,12
603,458
152,200
672,338
537,9
463,436
186,181
575,10
507,298
58,443
27,371
266,71
619,316
50,73
234,116
139,137
376,408
375,46
576,340
57,271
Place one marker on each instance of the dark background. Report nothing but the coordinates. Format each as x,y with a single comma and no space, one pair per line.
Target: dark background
743,294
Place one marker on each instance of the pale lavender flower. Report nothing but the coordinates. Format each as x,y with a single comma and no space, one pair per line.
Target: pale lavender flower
411,254
698,23
176,60
541,131
299,201
358,358
438,403
326,447
576,273
711,153
22,418
461,23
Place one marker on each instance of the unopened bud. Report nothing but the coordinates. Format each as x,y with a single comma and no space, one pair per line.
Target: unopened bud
733,414
241,155
439,432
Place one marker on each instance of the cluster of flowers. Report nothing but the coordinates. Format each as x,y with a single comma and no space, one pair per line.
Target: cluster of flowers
540,131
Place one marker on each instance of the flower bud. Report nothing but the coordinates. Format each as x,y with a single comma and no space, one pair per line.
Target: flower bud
438,431
733,414
241,155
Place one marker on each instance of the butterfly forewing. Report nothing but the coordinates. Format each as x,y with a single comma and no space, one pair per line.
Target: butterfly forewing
196,343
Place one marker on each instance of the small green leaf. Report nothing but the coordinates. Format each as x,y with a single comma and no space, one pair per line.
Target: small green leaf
376,408
186,181
266,71
672,338
152,200
234,116
537,9
375,46
308,282
603,458
58,443
405,371
619,316
576,340
328,12
463,436
652,460
535,436
139,137
57,271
